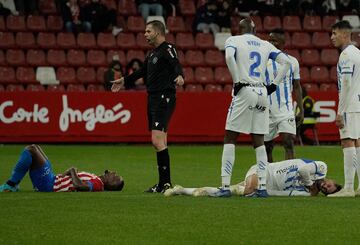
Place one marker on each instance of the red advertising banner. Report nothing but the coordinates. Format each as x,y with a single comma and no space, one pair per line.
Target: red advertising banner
122,117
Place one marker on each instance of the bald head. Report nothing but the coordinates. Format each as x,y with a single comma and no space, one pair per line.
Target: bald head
247,25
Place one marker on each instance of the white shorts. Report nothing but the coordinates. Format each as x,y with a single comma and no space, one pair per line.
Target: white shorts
281,124
249,111
351,129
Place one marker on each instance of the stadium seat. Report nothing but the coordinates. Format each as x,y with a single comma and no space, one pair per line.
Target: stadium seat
204,41
170,38
56,57
106,41
100,74
319,74
15,57
294,52
310,57
193,88
204,75
213,88
291,23
321,40
234,20
185,41
228,88
328,21
222,75
333,74
181,57
95,88
127,7
301,40
258,23
55,88
325,87
194,58
187,7
54,23
7,75
263,36
120,22
15,23
329,57
116,53
76,57
220,39
142,42
25,40
214,58
26,75
75,88
304,74
35,87
15,88
66,40
2,88
66,75
188,74
126,40
36,57
86,75
312,23
310,87
2,24
47,7
110,4
36,23
155,17
136,24
354,20
46,75
96,58
287,40
132,54
46,40
271,22
86,40
2,58
356,38
7,40
175,24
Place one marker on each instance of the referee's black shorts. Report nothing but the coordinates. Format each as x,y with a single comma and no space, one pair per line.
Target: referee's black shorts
160,109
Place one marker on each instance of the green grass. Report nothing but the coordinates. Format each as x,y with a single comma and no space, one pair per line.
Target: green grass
133,217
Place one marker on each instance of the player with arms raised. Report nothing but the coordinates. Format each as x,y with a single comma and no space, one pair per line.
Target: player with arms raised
246,57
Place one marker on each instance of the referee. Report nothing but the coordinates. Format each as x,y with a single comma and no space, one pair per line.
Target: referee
161,72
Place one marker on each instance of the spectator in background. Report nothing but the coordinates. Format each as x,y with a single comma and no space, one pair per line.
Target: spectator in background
100,17
27,7
114,72
150,7
7,7
134,65
171,7
224,13
206,17
73,17
348,6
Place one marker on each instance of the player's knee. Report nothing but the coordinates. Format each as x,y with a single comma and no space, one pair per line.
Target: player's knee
32,148
269,145
158,144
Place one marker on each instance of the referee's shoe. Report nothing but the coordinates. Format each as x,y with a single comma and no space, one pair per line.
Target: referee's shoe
158,188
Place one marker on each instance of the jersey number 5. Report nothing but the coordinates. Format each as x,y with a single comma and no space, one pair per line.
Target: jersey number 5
255,56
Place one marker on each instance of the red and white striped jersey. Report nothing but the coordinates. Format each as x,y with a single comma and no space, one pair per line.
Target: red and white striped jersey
65,184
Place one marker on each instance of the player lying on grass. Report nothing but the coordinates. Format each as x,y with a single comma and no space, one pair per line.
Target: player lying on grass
294,177
34,160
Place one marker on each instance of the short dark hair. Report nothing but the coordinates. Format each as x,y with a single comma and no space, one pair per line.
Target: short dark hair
158,25
278,31
342,25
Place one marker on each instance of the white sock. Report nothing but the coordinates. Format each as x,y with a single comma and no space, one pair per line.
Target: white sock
349,167
261,163
227,163
358,165
188,191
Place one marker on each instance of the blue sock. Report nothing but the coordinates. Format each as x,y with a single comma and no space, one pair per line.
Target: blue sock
21,167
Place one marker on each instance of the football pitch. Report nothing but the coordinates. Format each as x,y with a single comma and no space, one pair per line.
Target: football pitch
134,217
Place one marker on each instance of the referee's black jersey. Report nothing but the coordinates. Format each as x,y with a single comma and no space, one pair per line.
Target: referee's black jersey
161,67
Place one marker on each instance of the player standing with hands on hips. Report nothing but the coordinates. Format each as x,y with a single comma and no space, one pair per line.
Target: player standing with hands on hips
161,72
348,115
246,57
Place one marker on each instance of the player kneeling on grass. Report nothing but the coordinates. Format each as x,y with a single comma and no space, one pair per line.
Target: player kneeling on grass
294,177
34,160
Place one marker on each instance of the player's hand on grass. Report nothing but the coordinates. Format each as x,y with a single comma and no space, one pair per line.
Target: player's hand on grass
339,121
179,80
117,85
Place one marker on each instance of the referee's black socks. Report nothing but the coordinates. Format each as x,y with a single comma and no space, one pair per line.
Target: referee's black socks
163,161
